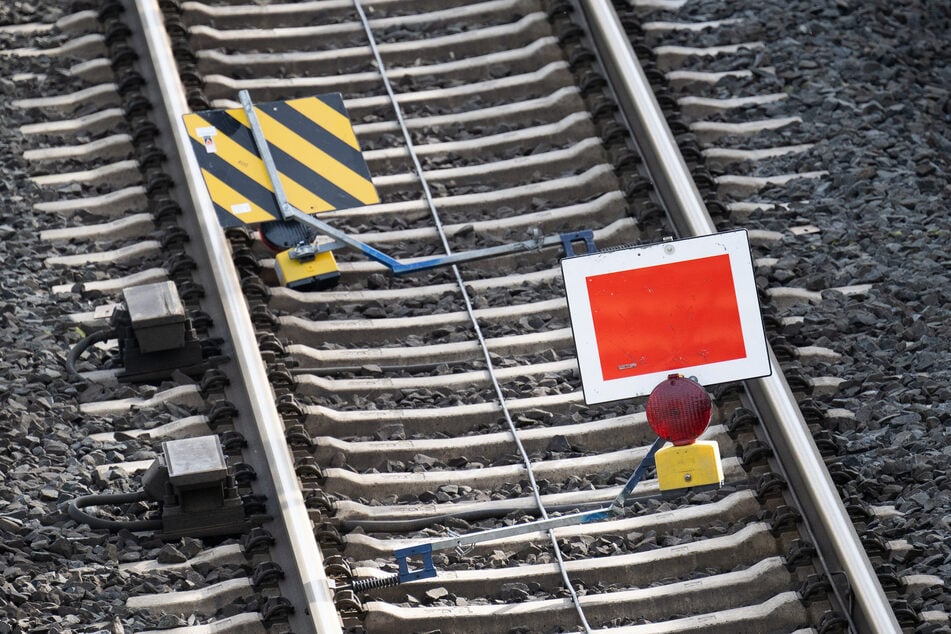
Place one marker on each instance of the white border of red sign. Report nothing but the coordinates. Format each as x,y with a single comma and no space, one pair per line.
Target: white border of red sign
735,244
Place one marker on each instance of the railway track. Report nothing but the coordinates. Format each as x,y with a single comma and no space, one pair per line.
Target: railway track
390,411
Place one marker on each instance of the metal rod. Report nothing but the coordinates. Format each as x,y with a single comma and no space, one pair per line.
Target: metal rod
400,268
538,526
289,211
614,508
264,151
618,503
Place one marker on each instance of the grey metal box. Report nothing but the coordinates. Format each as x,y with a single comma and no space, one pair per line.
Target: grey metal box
194,462
157,315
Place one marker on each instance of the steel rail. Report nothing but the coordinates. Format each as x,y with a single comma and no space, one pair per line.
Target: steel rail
307,578
809,481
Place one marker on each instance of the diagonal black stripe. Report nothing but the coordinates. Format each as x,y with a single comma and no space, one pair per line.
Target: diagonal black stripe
224,122
319,136
335,101
225,218
288,165
313,181
236,179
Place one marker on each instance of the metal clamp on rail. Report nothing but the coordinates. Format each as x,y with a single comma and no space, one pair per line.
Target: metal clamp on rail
194,486
425,551
155,336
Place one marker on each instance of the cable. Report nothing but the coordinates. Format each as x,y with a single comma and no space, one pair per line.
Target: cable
111,498
468,300
81,346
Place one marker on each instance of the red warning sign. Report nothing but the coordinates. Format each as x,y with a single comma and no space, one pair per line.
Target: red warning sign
693,300
685,306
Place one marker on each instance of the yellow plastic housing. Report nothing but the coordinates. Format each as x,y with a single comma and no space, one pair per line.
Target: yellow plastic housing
693,465
316,274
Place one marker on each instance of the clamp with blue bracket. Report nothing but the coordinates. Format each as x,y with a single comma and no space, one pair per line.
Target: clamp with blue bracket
341,239
424,552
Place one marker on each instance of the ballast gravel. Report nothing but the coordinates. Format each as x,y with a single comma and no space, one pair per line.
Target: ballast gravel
870,79
871,82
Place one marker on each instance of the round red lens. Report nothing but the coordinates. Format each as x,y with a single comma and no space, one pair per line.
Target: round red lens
678,410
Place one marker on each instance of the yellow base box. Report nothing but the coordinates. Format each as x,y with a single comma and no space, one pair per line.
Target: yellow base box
311,275
687,466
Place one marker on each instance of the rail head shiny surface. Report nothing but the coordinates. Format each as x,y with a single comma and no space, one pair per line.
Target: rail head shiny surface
807,475
659,151
320,614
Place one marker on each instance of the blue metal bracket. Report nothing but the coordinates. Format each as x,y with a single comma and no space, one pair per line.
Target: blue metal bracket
423,550
568,241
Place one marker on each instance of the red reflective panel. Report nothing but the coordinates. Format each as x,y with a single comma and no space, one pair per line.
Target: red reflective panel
678,410
665,317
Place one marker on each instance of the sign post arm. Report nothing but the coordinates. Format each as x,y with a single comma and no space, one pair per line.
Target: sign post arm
618,503
289,211
399,268
265,153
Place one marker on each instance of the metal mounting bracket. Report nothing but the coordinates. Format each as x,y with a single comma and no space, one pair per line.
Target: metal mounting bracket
289,212
425,551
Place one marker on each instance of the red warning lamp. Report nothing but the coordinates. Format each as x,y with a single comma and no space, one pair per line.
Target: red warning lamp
678,410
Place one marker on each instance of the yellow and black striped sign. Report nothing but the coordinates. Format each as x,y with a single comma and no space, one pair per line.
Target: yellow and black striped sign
314,149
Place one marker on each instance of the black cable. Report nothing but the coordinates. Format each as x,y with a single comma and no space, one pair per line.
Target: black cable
111,498
84,344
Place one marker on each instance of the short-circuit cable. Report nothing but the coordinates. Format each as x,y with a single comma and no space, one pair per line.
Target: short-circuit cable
470,310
